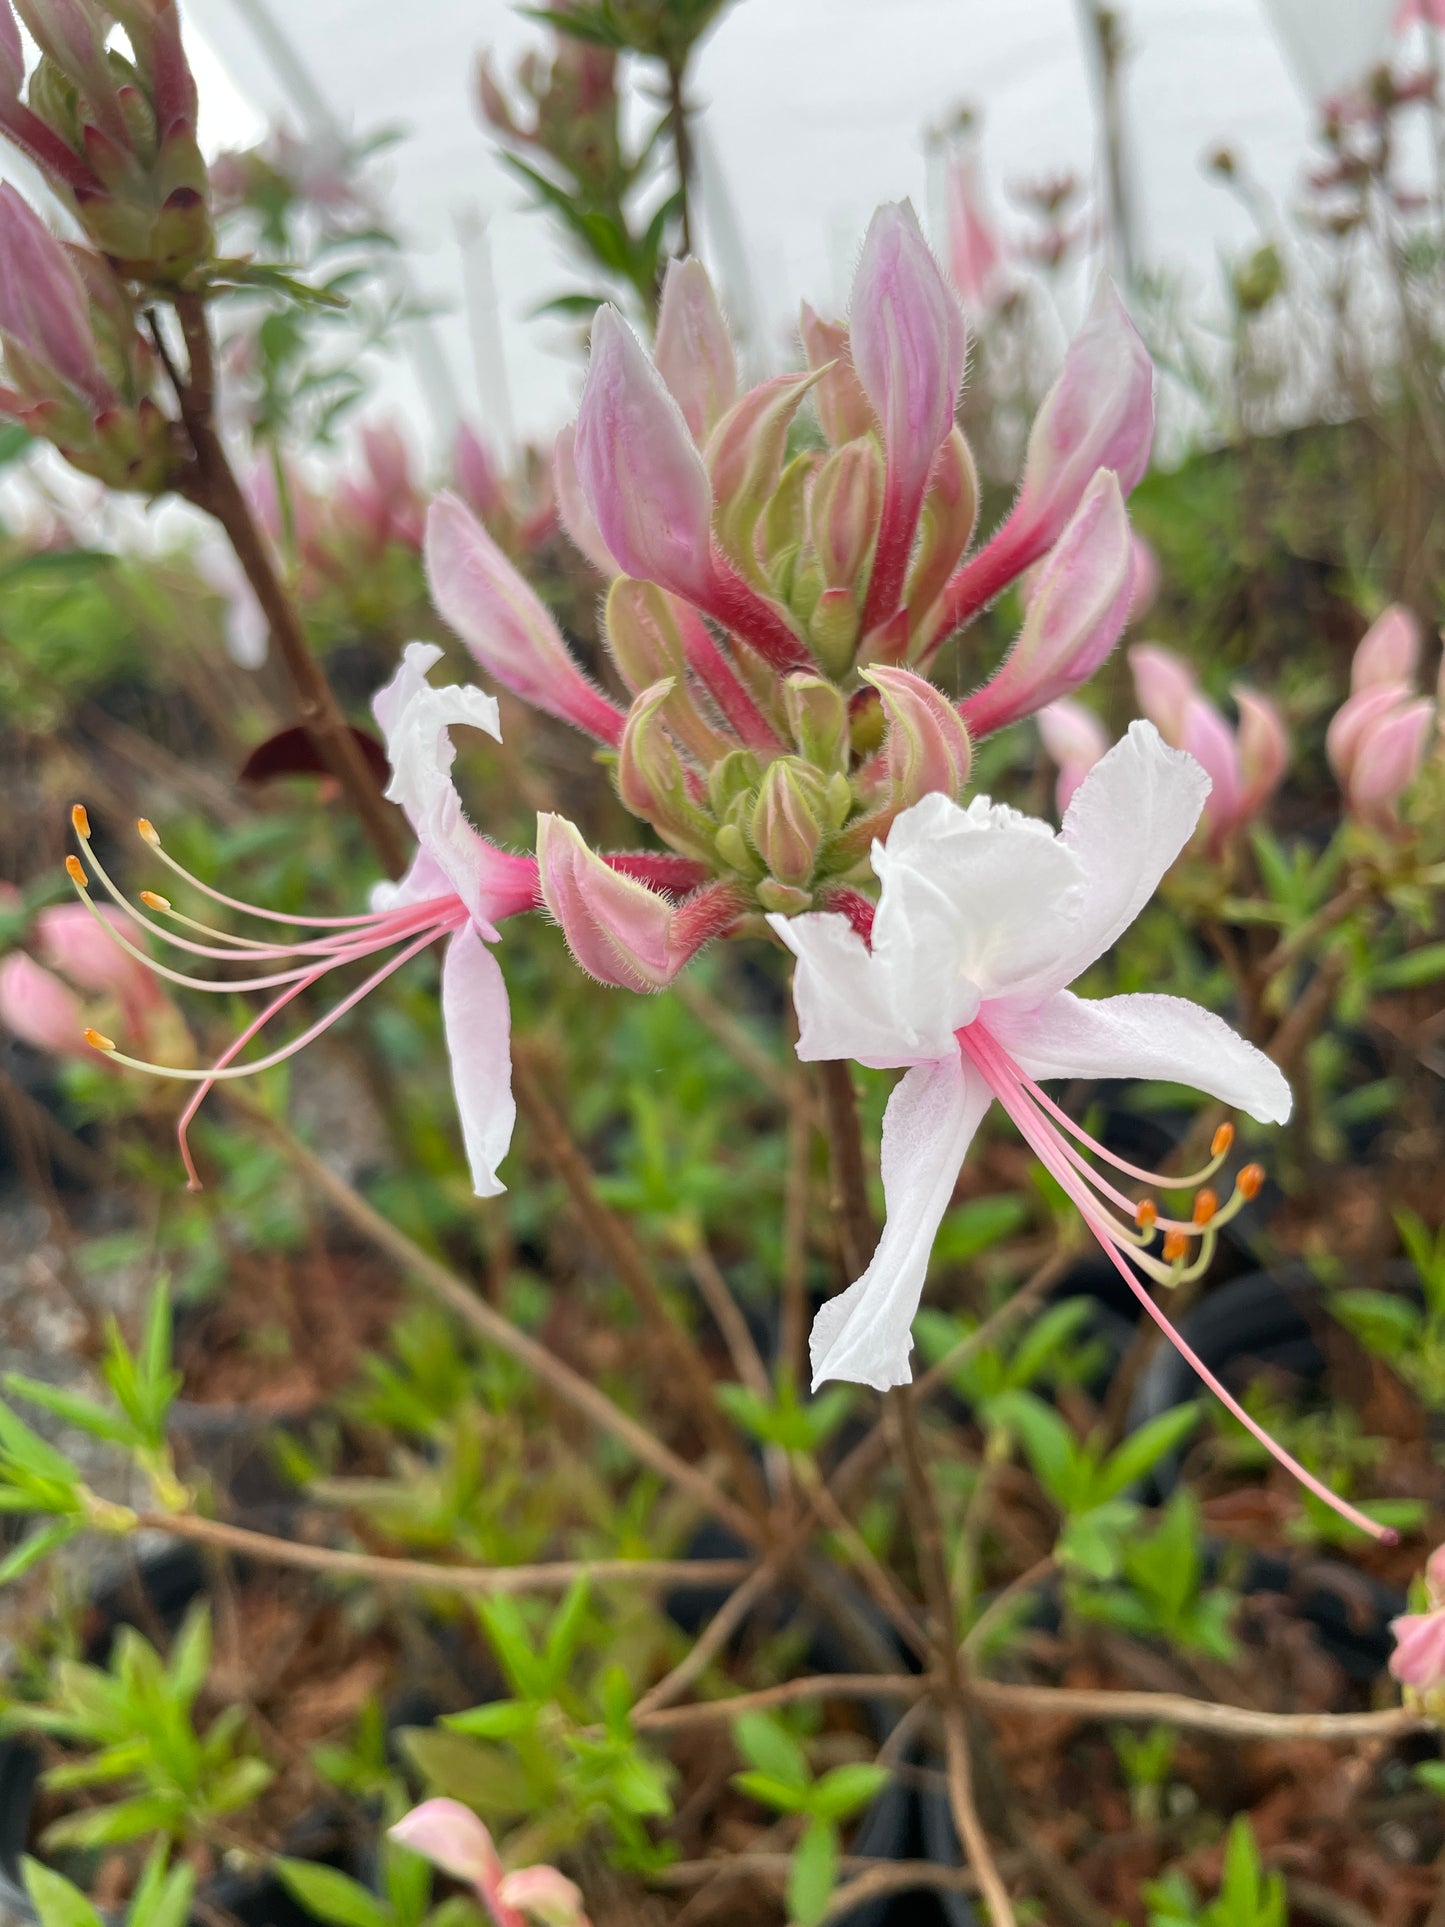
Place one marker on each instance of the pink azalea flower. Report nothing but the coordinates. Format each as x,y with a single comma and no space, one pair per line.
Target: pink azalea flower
454,1839
984,919
1246,765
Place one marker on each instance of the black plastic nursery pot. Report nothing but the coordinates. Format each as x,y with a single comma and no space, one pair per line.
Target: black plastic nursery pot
159,1591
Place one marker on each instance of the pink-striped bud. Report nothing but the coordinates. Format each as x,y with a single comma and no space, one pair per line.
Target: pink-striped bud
927,747
1355,718
1388,652
501,620
1098,414
476,475
12,52
1263,743
1207,737
909,348
909,344
640,470
1074,739
841,406
745,463
1435,1564
1387,761
1418,1660
37,1007
44,314
617,929
573,508
1165,687
975,254
817,714
384,449
73,942
1146,578
693,351
452,1838
1075,617
945,529
643,627
790,821
545,1896
652,779
843,511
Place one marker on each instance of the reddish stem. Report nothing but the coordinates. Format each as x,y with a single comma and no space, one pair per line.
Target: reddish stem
753,620
722,682
896,528
1000,561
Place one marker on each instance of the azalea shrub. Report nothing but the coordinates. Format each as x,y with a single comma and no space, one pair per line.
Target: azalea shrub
730,1136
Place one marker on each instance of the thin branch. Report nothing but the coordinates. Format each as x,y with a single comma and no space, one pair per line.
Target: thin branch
789,1692
553,1576
880,1583
212,485
1204,1716
710,1642
857,1233
716,1294
579,1392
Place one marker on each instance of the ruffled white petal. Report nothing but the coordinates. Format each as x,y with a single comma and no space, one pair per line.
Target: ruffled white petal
1128,820
839,995
973,900
1142,1036
864,1335
417,721
478,1025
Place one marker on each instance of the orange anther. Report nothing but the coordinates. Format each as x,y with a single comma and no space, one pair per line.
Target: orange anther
98,1040
1249,1181
1205,1206
1175,1246
1221,1140
1146,1214
75,870
81,822
147,830
153,900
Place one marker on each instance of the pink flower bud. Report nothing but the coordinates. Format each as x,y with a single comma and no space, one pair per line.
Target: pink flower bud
476,474
745,459
1263,743
1435,1571
640,470
842,407
1165,687
789,821
1074,619
1356,716
501,620
12,52
452,1838
652,779
38,1008
43,309
544,1896
71,35
1387,761
573,508
1419,1656
909,344
975,256
693,351
1388,652
1074,739
385,452
1146,578
1098,414
945,529
818,718
909,350
74,943
843,511
927,747
1207,737
617,929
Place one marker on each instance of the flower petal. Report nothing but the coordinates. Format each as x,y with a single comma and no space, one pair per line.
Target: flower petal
839,995
478,1024
1141,1036
864,1335
1128,820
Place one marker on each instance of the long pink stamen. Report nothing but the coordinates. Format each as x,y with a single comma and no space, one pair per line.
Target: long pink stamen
203,1091
990,1059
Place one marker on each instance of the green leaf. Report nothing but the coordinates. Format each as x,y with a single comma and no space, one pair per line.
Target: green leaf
978,1225
1423,966
1091,1541
329,1895
162,1899
30,1451
1384,1324
1431,1773
812,1876
110,1826
190,1655
769,1791
36,1546
69,1407
498,1720
1052,1449
1143,1449
845,1789
465,1769
57,1902
765,1743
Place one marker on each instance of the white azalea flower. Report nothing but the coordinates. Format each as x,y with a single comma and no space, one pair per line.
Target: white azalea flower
984,919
